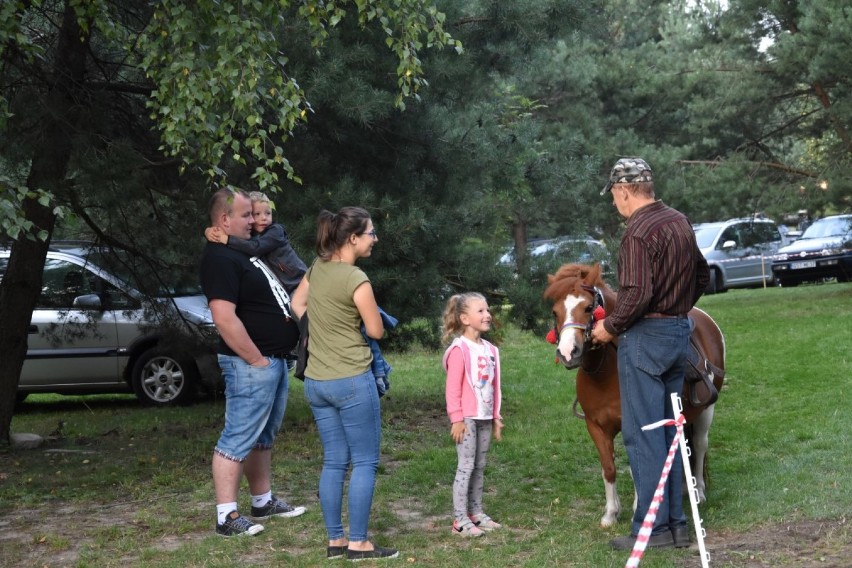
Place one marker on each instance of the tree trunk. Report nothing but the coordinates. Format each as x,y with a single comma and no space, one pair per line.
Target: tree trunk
21,284
839,128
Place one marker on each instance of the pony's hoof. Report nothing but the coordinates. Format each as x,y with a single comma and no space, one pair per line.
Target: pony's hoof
608,520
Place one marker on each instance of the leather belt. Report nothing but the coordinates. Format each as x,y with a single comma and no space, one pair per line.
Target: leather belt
277,356
658,315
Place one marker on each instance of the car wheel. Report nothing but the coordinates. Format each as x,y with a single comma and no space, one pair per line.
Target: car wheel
715,284
159,378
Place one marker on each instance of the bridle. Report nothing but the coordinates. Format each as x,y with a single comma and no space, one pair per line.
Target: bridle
588,344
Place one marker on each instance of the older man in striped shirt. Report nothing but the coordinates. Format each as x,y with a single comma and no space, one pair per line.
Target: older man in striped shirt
661,274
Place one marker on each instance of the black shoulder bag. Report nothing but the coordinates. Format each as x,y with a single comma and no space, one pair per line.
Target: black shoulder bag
302,348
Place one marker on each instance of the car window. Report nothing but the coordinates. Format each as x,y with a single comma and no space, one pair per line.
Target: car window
62,281
704,235
748,233
828,227
732,233
752,234
138,274
766,233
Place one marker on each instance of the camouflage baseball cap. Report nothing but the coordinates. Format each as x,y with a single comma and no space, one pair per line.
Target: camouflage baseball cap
628,170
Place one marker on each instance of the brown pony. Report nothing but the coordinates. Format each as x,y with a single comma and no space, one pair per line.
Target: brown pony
576,290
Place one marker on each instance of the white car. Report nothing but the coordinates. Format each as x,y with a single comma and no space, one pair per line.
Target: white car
91,332
560,250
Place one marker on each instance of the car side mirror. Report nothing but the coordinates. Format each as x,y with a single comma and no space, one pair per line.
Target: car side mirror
729,245
87,302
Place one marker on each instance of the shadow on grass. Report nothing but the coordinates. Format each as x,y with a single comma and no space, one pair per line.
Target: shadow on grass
37,403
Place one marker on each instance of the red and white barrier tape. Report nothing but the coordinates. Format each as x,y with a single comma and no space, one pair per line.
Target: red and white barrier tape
651,515
648,522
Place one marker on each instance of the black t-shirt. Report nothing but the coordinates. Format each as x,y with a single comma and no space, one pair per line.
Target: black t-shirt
228,275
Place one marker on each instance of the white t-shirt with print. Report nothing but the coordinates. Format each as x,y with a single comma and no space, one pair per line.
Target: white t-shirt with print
483,367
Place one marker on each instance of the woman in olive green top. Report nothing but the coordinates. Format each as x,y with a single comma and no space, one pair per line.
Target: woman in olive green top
339,382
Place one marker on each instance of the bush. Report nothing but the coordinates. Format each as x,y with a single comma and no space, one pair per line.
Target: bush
419,333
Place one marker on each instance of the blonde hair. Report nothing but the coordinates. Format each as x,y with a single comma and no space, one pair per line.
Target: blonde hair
258,197
456,306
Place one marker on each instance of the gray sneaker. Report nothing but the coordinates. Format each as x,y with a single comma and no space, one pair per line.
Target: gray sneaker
237,525
276,507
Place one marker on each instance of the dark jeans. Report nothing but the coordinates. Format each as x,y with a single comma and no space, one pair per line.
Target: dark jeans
651,362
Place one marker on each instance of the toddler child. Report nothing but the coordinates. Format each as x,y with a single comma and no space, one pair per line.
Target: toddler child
269,242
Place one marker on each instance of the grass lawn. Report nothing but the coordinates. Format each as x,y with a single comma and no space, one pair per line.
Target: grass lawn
123,485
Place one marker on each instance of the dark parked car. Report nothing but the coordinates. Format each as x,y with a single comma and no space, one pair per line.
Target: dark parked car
823,251
92,332
739,251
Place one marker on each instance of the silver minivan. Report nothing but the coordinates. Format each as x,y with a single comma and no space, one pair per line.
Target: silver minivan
92,332
739,252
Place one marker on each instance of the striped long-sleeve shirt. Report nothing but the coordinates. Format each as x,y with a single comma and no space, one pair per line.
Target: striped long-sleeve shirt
660,269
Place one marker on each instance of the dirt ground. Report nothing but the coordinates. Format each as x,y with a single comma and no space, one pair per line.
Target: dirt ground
805,544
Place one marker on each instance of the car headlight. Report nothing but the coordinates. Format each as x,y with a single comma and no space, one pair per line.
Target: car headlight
781,257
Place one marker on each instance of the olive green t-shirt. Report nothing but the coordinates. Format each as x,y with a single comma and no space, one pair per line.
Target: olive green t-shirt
336,348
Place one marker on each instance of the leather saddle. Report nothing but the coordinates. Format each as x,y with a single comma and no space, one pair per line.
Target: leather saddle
699,374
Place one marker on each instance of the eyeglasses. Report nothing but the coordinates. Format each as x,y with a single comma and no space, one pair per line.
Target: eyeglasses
373,234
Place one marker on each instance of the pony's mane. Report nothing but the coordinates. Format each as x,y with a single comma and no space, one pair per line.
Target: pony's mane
569,277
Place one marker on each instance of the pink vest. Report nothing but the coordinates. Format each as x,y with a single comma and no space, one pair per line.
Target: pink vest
461,401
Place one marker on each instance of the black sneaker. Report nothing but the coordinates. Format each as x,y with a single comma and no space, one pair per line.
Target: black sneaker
237,525
680,535
335,552
377,553
275,507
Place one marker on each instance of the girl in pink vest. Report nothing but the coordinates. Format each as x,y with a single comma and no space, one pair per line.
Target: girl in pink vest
473,405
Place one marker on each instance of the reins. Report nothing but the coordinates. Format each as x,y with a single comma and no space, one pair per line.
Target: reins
601,359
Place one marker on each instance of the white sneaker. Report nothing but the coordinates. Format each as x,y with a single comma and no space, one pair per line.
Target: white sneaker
466,528
484,522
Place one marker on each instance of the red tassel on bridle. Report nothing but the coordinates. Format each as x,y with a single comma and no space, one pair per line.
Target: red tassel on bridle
598,314
551,336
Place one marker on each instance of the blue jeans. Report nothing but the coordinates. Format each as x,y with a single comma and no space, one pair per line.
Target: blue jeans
255,402
651,363
348,418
